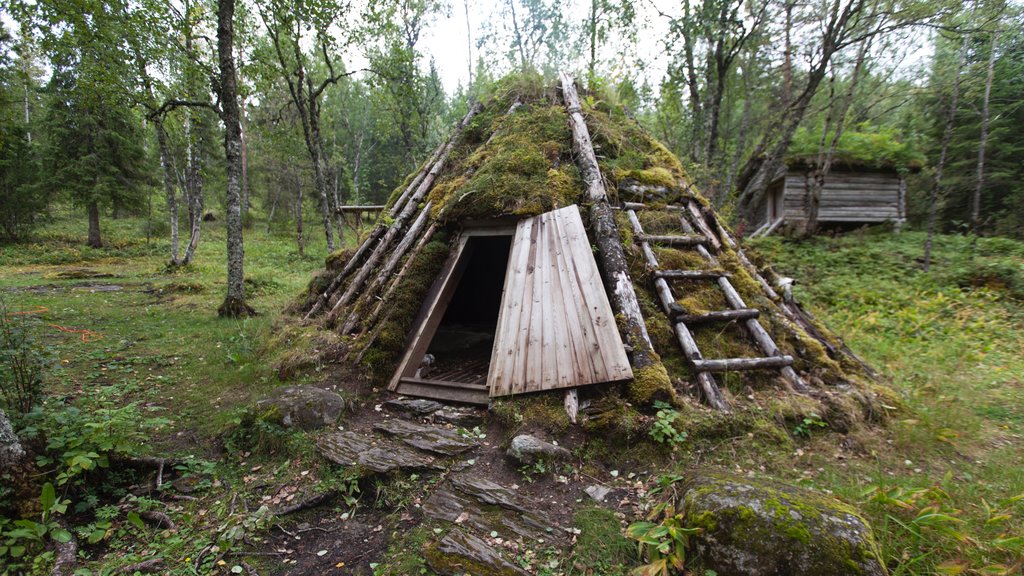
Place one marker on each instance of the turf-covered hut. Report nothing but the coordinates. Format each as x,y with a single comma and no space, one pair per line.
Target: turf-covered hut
854,193
552,244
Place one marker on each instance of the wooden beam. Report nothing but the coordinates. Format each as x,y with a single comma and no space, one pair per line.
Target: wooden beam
690,274
719,316
739,364
611,254
688,240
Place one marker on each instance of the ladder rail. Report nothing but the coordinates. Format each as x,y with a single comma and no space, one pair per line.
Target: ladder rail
712,393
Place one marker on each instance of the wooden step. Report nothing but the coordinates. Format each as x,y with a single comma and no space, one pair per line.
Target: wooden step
444,390
720,316
738,364
690,274
688,240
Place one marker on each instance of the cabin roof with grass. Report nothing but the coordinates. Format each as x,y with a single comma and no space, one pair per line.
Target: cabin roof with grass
704,319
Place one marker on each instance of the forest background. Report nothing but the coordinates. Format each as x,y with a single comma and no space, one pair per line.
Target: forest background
120,107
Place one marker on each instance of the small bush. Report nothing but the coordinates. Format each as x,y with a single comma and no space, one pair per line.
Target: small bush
23,364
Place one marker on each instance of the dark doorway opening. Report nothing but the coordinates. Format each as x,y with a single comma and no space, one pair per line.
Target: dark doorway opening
460,350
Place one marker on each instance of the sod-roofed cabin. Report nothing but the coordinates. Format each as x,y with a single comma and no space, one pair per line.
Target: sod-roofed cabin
551,245
866,184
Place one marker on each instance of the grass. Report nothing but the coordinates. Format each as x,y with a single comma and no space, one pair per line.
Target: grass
942,483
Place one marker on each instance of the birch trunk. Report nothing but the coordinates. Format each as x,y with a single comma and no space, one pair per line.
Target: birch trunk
234,305
947,137
611,255
979,181
169,191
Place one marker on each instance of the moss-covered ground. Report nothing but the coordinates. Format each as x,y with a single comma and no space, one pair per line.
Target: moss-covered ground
941,483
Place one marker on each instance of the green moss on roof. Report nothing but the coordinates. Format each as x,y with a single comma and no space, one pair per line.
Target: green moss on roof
524,170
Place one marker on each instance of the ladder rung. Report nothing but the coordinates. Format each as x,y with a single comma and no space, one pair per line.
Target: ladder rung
737,364
690,274
688,240
721,316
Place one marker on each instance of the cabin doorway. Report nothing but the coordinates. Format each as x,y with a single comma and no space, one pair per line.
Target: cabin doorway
449,355
515,310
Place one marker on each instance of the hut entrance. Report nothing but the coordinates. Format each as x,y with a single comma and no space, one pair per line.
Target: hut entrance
515,312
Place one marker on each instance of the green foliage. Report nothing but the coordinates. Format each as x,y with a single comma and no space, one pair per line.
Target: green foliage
82,440
808,425
600,546
866,146
664,429
21,203
23,363
662,539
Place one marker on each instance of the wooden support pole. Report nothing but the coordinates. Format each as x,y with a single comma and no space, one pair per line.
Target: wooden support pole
411,205
380,230
389,266
611,255
719,316
690,274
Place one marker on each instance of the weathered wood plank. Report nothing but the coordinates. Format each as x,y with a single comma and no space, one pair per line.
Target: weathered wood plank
688,240
690,274
718,316
563,334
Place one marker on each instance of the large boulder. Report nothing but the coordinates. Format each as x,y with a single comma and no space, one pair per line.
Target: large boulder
762,528
304,407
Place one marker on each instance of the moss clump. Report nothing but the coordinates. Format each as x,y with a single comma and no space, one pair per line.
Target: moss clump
615,419
534,412
649,384
524,170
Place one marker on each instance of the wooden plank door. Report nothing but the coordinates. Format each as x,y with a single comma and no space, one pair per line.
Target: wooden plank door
555,328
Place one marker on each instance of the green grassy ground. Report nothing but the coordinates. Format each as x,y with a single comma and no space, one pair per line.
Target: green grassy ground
943,483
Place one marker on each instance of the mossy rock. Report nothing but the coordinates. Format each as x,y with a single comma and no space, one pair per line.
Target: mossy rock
763,528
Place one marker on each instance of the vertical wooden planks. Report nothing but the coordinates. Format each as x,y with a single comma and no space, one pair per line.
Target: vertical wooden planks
556,328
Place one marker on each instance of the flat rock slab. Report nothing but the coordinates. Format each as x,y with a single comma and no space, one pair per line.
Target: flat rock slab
414,406
465,417
485,507
430,438
460,553
376,455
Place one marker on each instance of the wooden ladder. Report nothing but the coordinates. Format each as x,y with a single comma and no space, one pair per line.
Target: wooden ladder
701,239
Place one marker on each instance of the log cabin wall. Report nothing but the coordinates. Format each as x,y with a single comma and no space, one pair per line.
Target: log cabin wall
847,197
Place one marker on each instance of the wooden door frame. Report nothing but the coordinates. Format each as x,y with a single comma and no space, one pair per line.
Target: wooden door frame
439,297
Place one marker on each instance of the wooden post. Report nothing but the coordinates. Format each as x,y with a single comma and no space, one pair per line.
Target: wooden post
611,255
376,239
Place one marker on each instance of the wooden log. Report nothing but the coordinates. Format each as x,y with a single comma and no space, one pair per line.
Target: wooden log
382,301
708,387
719,316
688,240
611,255
411,205
690,274
389,266
380,230
637,206
702,225
362,208
738,364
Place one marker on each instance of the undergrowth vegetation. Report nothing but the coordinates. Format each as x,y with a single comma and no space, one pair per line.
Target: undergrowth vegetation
143,367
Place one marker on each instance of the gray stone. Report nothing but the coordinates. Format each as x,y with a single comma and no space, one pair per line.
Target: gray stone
374,455
460,553
465,417
414,406
10,447
430,438
483,506
528,449
305,407
762,528
598,493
